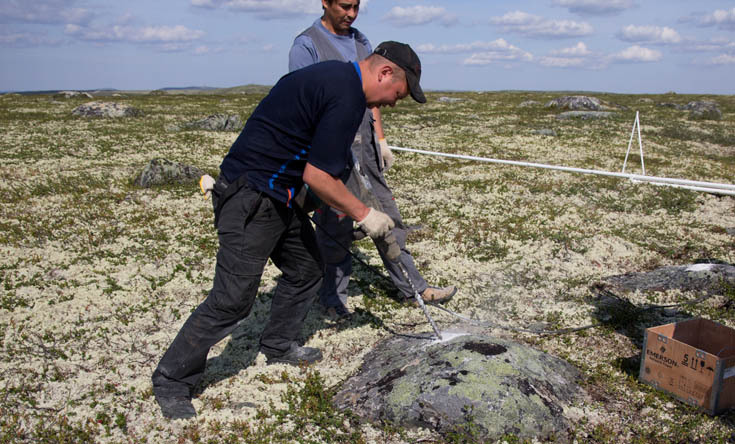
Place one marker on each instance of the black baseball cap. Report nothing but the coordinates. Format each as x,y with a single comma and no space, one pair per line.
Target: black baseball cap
402,55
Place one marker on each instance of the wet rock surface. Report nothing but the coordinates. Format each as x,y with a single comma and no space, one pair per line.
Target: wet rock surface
106,109
490,385
163,172
707,277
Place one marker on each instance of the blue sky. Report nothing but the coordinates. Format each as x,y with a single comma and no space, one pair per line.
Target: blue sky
627,46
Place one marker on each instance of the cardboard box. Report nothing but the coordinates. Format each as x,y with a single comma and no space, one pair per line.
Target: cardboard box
693,360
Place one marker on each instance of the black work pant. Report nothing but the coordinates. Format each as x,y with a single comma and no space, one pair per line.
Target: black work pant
252,227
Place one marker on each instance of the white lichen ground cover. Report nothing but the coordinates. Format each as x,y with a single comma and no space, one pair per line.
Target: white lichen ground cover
98,276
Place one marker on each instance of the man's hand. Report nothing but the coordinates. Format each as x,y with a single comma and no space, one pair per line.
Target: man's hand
376,224
386,154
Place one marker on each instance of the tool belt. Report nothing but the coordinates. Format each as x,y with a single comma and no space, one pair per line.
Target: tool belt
223,191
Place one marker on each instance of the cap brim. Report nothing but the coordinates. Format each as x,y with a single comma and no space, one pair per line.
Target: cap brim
414,88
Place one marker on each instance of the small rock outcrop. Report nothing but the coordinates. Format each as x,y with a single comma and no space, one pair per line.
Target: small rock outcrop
705,277
215,122
445,99
528,104
72,95
703,110
576,103
106,109
489,386
545,132
584,115
163,172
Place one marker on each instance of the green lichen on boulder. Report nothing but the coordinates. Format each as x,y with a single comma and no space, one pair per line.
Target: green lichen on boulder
166,172
493,386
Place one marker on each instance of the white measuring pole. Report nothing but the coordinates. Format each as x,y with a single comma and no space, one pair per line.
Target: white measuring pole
636,123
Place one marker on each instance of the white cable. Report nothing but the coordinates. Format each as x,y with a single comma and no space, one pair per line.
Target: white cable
710,187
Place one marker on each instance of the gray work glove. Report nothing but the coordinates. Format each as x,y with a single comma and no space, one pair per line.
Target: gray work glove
386,154
376,224
206,184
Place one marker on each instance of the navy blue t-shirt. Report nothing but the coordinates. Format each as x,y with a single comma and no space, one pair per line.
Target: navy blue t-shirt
311,114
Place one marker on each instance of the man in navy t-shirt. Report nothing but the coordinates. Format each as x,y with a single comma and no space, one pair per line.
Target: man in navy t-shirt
299,134
313,115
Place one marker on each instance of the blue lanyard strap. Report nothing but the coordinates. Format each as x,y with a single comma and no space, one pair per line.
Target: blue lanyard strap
357,68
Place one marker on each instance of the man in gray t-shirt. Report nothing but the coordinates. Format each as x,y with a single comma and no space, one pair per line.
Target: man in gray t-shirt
332,37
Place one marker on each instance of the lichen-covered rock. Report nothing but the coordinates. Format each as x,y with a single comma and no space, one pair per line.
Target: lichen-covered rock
584,115
671,105
576,103
545,132
528,104
711,277
703,110
72,95
106,109
163,172
492,386
215,122
445,99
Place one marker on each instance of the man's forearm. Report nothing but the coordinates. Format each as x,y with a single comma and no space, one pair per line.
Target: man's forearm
334,193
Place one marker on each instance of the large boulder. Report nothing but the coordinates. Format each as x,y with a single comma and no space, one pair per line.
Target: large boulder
576,103
164,172
703,110
489,386
215,122
106,109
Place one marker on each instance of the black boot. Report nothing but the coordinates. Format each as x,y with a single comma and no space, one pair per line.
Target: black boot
296,355
176,407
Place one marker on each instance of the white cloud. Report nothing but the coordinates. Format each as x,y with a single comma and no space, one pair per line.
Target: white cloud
535,26
577,56
721,18
723,59
578,50
595,7
562,62
495,45
26,39
717,44
419,15
492,52
268,9
649,34
43,12
167,35
636,54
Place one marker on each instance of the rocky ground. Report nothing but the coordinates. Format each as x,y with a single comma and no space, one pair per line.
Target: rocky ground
98,274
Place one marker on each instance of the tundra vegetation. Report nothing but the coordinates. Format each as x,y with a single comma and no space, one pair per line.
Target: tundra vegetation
98,275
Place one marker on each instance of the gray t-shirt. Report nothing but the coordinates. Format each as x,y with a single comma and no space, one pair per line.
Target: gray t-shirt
303,52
